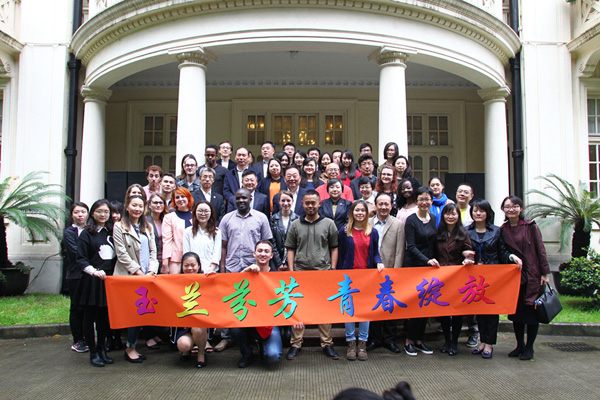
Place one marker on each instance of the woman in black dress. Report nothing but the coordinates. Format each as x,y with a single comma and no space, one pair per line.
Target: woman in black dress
96,258
421,233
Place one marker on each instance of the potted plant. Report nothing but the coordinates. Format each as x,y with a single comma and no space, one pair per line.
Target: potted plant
576,209
27,203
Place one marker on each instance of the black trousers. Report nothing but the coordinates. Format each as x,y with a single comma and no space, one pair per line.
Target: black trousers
75,312
415,328
382,332
99,315
488,328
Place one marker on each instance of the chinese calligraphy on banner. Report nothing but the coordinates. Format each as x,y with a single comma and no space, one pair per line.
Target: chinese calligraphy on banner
313,297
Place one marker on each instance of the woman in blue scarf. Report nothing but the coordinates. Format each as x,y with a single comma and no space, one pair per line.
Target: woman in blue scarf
439,198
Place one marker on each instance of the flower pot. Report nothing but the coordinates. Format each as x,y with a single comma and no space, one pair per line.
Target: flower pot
15,282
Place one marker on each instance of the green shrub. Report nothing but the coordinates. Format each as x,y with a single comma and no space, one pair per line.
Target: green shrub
583,276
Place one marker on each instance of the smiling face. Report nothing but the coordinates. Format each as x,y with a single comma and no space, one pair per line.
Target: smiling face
386,176
311,205
203,213
267,150
366,167
400,165
407,189
101,215
325,161
346,161
360,213
511,210
135,208
263,254
292,179
181,202
190,265
225,150
79,216
275,169
333,171
451,218
242,201
335,191
190,166
156,204
285,202
167,185
384,206
464,194
298,159
310,168
366,190
249,182
289,150
437,187
424,202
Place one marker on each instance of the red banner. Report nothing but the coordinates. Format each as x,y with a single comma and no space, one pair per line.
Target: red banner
313,297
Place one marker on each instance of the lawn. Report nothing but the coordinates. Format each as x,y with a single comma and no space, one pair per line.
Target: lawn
575,309
32,309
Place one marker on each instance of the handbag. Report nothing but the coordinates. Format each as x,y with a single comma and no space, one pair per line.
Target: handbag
547,306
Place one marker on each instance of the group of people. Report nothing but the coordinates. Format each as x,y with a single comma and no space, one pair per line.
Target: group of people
293,211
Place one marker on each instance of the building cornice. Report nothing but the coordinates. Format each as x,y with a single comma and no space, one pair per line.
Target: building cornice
458,16
9,44
585,37
290,82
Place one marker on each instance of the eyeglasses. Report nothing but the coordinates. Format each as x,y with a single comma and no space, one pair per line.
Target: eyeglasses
157,203
515,207
428,200
102,212
203,212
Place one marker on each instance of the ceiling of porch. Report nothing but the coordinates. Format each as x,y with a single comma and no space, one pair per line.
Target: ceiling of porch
294,69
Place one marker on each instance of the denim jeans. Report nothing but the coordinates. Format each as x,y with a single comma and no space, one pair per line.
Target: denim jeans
271,346
363,331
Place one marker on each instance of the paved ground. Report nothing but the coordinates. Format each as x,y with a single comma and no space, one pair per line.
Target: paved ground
45,368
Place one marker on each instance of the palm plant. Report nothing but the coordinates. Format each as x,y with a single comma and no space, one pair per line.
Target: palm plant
27,203
576,209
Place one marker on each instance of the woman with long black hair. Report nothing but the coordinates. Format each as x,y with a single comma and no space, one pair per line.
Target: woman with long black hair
523,238
96,259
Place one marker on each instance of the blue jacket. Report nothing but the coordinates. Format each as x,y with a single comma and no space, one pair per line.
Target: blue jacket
490,250
346,250
341,212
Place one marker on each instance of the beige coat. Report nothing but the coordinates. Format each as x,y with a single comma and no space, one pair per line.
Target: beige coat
393,244
127,246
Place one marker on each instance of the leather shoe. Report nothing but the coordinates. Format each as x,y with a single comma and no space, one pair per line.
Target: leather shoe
331,353
245,361
102,354
293,353
95,360
371,345
392,346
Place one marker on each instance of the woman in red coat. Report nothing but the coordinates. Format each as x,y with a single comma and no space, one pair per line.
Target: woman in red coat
523,238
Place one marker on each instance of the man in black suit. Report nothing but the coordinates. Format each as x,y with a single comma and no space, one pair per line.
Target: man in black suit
206,192
366,165
292,181
225,149
268,151
233,179
210,155
259,202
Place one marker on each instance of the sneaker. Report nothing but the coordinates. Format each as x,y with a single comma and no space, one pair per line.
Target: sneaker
423,349
410,350
472,342
80,347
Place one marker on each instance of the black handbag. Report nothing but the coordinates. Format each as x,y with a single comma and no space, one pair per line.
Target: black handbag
547,306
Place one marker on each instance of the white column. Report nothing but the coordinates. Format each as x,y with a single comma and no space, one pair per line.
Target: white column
392,98
496,158
93,163
191,108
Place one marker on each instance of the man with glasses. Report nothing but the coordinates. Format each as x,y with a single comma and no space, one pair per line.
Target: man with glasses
225,149
208,193
233,179
190,169
333,172
210,156
366,165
